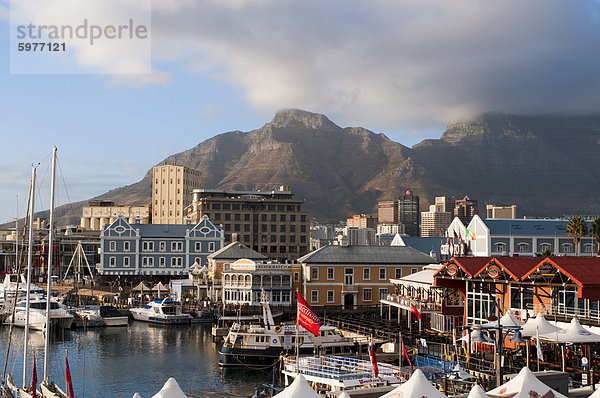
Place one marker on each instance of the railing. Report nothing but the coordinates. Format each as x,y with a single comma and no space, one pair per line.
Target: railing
567,312
421,305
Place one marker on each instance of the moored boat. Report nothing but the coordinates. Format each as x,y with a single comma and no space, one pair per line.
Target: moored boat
165,312
59,316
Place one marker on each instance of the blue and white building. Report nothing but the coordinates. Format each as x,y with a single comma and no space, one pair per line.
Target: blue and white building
157,249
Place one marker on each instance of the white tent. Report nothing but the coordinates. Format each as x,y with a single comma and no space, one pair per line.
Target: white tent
574,333
344,395
539,323
141,287
159,287
596,394
477,392
523,385
459,373
508,320
475,335
416,387
299,388
170,390
136,395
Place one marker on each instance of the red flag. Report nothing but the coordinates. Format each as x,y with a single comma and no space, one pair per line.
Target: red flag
415,311
455,235
34,381
406,356
306,317
373,359
68,376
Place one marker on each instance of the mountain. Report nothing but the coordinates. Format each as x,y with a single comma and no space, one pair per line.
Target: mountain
545,164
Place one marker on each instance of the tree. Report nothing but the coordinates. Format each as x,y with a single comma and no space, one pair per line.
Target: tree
576,228
595,233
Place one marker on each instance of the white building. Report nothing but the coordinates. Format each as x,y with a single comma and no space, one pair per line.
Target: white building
245,281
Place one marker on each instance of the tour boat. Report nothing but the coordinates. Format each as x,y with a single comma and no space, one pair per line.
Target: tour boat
59,316
166,312
264,344
13,288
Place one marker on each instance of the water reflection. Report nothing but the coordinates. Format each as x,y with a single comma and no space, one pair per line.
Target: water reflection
116,362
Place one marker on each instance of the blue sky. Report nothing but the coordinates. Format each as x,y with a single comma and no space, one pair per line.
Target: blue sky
402,68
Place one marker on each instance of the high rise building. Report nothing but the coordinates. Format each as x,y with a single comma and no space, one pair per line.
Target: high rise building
172,188
387,212
408,212
435,222
501,211
269,222
362,221
465,209
445,204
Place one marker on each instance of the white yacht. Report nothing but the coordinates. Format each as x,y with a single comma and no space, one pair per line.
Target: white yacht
166,312
264,344
14,288
59,317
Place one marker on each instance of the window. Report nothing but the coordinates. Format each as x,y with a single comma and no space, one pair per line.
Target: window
414,270
383,292
566,248
263,228
198,246
147,261
176,246
545,246
398,273
366,274
113,246
273,217
147,246
367,294
500,247
112,261
303,218
263,217
330,296
296,276
126,246
292,228
282,238
211,246
314,272
273,228
588,248
176,262
523,247
282,218
292,238
381,274
330,274
237,217
227,216
282,228
162,262
125,261
314,296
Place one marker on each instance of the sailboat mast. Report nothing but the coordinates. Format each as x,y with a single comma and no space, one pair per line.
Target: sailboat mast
29,265
17,243
49,271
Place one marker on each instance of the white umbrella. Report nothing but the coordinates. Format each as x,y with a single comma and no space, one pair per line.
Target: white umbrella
141,287
523,385
136,395
171,389
160,287
531,327
416,387
299,388
459,373
345,395
475,334
508,320
477,392
574,333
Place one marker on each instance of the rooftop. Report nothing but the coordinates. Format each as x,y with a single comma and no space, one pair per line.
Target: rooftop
367,254
526,226
236,251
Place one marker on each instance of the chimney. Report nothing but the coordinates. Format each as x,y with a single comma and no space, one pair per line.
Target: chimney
234,237
188,221
138,220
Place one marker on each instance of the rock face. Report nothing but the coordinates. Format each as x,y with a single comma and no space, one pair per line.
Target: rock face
544,164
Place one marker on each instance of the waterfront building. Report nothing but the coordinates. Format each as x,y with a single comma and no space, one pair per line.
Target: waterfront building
435,222
157,249
514,237
172,188
408,213
248,282
560,287
356,275
227,255
361,221
271,223
465,209
100,213
501,211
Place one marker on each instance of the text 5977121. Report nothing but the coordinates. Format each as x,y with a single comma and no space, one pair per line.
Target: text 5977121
41,47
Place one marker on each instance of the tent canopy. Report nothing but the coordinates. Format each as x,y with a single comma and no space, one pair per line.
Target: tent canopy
574,333
539,323
141,287
476,334
524,383
416,387
459,373
299,388
508,320
159,287
477,392
171,389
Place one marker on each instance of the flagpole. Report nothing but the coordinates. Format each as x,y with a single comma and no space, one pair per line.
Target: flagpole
400,350
297,334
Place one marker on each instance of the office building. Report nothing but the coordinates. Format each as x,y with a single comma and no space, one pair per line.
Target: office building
465,209
270,222
501,211
387,212
362,221
100,213
172,188
409,213
435,222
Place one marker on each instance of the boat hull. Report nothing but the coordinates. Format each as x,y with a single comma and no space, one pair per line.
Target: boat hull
116,321
160,319
231,357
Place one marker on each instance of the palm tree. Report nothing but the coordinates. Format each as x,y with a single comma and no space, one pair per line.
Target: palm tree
595,232
576,228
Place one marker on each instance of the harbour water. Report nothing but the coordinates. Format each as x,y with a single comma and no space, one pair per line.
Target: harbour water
117,362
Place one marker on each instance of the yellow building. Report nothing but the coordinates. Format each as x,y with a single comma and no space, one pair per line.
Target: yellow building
104,212
356,275
172,188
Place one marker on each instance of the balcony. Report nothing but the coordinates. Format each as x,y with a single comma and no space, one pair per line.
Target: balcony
405,303
349,289
564,313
